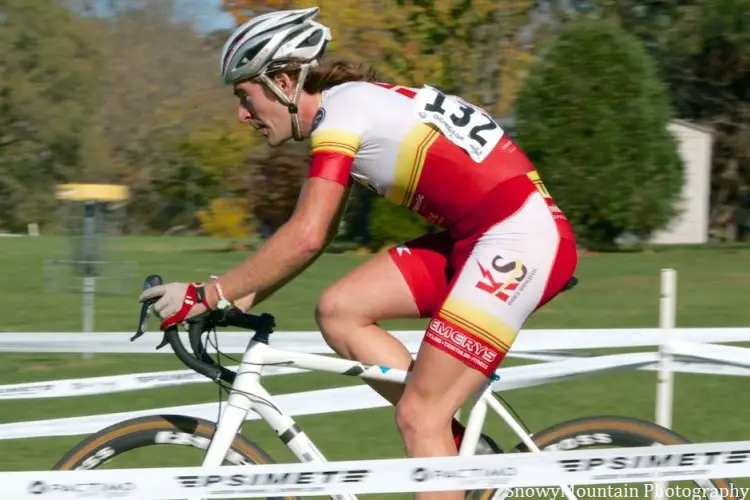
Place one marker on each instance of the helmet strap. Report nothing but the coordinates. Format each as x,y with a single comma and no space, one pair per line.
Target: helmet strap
291,104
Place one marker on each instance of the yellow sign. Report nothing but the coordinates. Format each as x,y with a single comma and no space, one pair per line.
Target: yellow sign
92,192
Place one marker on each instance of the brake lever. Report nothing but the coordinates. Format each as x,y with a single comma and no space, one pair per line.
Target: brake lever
150,281
143,320
164,341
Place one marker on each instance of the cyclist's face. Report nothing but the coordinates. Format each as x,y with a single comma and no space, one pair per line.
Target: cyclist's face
263,112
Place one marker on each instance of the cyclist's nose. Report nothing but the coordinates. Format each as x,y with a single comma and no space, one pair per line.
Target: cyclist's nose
243,114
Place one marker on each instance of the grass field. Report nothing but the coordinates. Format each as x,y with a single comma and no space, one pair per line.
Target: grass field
616,290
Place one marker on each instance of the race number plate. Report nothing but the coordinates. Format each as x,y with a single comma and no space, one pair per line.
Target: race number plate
463,124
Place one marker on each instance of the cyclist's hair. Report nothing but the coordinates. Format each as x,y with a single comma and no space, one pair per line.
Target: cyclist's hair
328,73
335,72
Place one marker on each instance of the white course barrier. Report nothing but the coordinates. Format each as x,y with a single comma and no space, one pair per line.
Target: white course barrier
306,403
231,342
522,470
153,380
679,349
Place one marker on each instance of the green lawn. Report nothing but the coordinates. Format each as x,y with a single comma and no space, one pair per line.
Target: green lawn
616,290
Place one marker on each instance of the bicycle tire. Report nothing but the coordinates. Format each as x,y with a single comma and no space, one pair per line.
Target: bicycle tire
616,431
117,439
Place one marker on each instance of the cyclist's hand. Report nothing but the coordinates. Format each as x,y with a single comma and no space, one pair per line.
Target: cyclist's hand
178,302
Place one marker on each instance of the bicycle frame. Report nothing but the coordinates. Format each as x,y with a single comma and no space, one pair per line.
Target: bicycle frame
247,393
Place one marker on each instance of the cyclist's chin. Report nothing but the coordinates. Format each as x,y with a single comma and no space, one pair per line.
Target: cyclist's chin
275,139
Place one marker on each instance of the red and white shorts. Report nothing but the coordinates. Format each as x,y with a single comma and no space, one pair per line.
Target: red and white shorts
479,291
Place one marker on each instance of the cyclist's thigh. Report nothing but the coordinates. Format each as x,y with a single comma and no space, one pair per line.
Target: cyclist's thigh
426,268
403,282
508,273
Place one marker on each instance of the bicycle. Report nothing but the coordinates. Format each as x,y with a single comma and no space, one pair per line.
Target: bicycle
223,441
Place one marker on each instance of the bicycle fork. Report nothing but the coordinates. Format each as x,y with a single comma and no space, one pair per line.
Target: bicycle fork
248,394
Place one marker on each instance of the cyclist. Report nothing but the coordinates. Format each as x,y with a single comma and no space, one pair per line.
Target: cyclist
503,248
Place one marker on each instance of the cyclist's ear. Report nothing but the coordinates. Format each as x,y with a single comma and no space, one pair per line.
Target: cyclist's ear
286,83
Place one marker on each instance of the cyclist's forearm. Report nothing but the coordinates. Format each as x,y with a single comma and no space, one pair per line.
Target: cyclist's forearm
332,232
267,293
287,253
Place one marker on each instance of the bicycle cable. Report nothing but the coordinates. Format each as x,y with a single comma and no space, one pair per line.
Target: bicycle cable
205,349
518,417
223,385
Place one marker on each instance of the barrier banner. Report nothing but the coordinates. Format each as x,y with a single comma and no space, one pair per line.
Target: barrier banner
233,342
580,467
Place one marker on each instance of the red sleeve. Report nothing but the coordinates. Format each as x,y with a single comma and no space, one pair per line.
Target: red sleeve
332,166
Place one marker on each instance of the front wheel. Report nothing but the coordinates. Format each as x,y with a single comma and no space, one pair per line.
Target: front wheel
165,438
612,432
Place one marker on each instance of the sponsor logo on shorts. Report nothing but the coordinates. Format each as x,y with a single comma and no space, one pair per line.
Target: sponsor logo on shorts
452,339
515,277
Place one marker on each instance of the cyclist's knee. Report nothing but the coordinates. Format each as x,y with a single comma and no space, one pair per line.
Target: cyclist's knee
329,306
416,417
341,304
334,318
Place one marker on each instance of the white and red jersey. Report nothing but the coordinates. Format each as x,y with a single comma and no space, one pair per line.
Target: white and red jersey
431,152
507,249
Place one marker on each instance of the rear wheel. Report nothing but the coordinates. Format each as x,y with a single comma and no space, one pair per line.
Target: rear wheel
165,438
612,432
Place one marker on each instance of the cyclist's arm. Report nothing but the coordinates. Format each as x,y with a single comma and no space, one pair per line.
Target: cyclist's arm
293,247
335,139
257,298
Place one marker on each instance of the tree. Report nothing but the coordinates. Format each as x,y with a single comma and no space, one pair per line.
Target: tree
47,87
117,91
209,167
707,64
703,51
462,46
169,123
278,181
593,117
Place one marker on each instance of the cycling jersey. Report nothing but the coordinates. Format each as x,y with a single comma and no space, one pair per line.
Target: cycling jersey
507,248
420,148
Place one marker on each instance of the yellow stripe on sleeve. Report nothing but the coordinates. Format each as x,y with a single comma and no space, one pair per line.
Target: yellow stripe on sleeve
335,141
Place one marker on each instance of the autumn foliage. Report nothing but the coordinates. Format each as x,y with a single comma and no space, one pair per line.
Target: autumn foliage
467,47
134,97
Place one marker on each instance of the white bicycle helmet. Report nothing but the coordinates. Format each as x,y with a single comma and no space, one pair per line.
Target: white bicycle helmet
267,42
